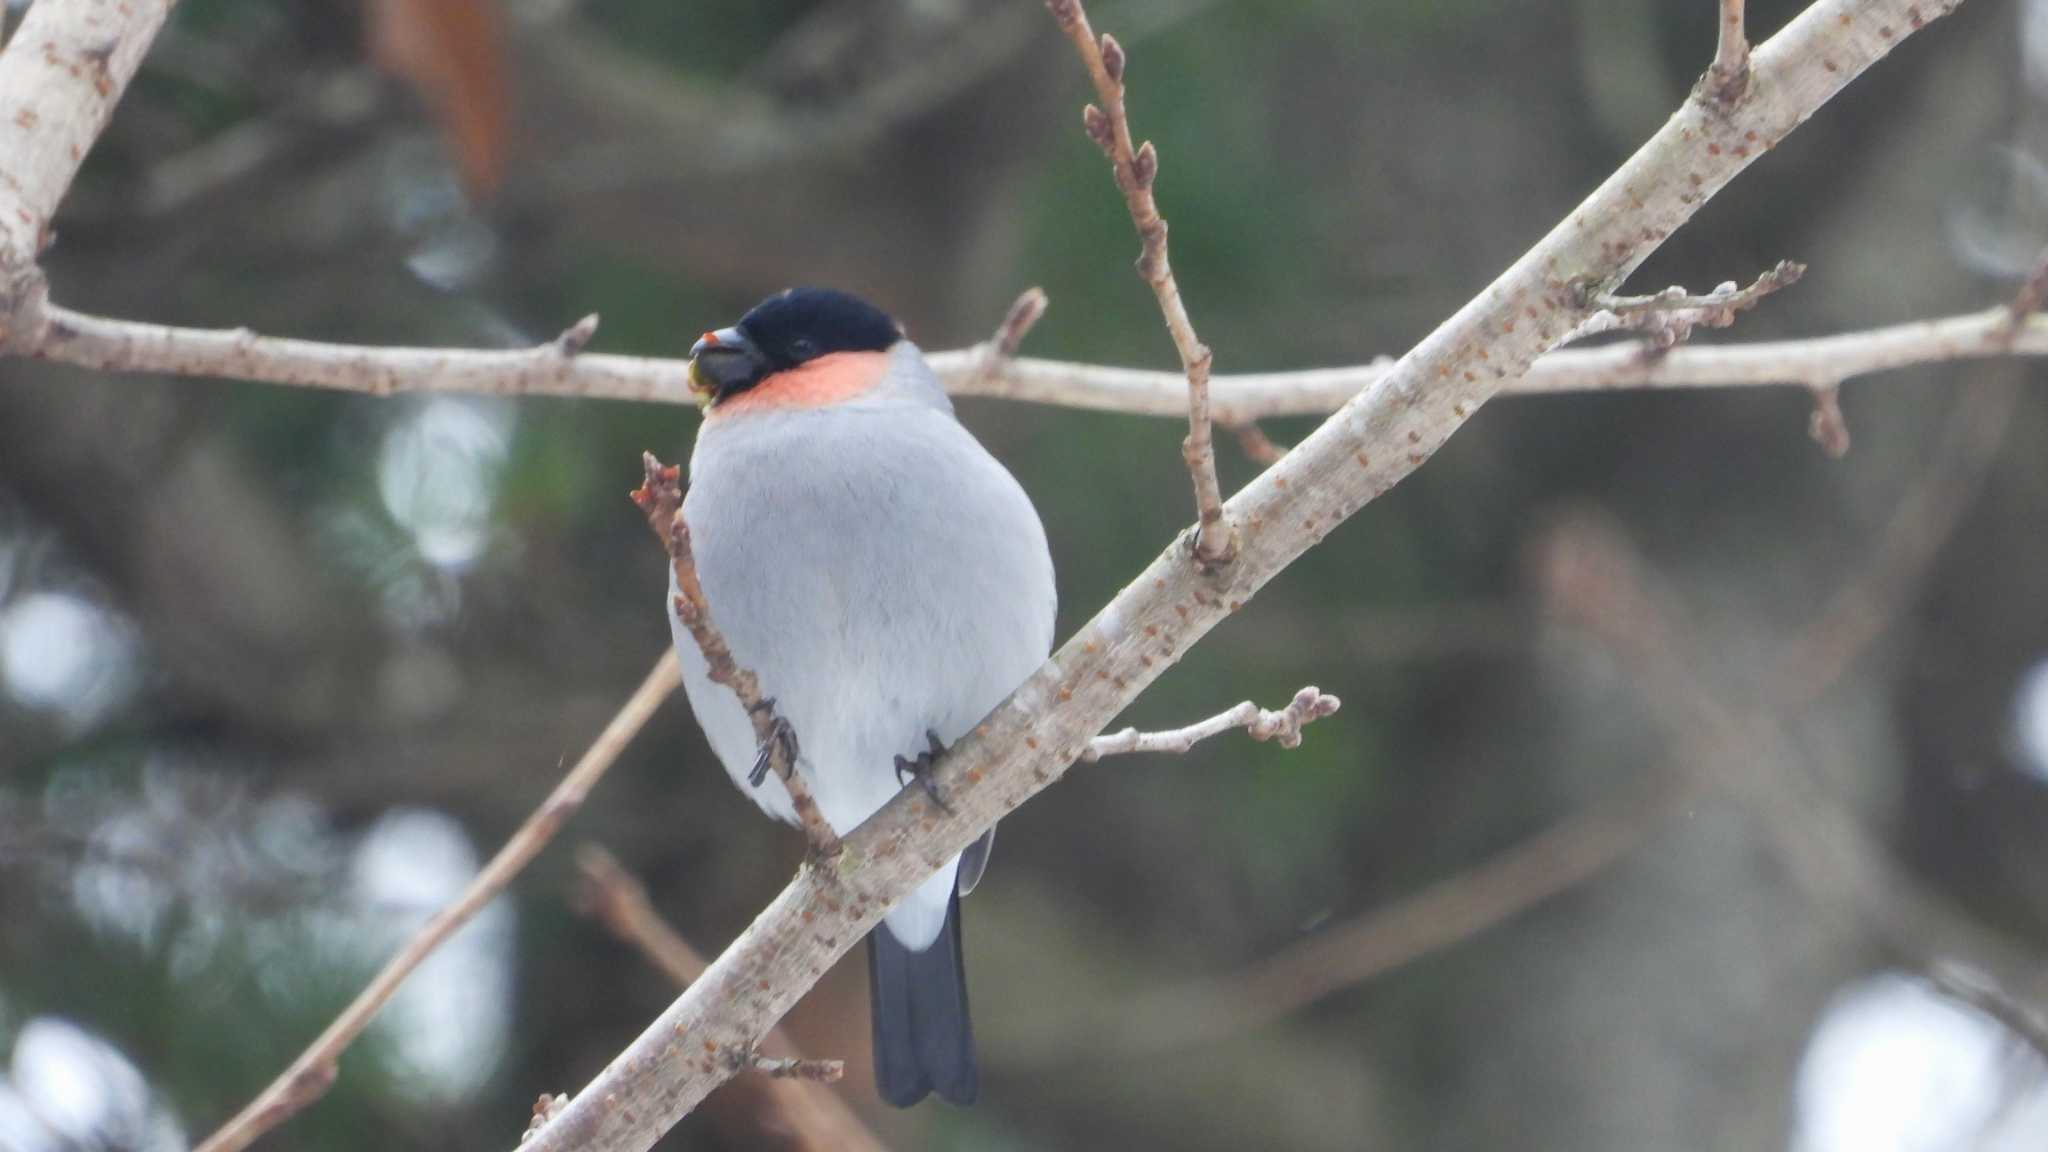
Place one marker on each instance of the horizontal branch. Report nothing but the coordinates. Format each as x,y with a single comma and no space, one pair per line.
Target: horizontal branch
1261,724
1814,362
557,368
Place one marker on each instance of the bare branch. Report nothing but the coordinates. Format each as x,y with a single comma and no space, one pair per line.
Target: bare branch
806,1118
660,497
237,354
556,368
60,77
1375,440
1257,447
1596,590
1445,913
615,898
792,1068
1727,79
1308,706
1667,318
1740,742
1023,316
2028,299
1135,167
313,1072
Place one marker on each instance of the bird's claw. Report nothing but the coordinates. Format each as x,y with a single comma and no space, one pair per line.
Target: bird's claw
780,735
920,770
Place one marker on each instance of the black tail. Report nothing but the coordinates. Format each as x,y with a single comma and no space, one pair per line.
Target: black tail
923,1040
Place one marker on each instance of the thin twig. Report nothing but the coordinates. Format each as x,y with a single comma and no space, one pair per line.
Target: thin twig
2028,299
1135,167
1741,742
310,1075
1727,78
1667,318
1875,591
1257,447
1018,322
615,898
660,497
1441,915
1978,990
803,1117
794,1068
1283,726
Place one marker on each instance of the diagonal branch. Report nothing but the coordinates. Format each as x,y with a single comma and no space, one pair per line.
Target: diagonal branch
313,1072
1135,167
660,496
60,77
1374,441
812,1119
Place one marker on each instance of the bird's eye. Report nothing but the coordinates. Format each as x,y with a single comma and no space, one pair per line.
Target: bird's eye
802,349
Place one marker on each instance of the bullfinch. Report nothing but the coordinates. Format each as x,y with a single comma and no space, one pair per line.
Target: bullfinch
889,583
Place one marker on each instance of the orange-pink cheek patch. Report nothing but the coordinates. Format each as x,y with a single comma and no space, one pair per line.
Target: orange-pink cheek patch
828,380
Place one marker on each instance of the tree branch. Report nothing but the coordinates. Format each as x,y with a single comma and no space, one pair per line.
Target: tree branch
313,1072
60,77
1135,167
1375,440
1308,706
804,1119
545,370
1667,318
660,497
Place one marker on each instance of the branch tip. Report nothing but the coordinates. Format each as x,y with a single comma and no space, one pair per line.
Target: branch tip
577,335
1023,316
1135,168
1282,726
1826,425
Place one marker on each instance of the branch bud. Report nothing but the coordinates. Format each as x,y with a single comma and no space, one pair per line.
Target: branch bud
1096,121
1113,59
1145,165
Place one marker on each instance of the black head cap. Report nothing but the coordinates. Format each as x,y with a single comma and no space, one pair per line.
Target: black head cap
805,323
785,330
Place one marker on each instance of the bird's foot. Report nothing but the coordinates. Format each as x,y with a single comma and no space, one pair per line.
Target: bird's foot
920,770
781,740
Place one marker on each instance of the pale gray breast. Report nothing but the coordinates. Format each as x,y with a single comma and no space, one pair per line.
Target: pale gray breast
880,572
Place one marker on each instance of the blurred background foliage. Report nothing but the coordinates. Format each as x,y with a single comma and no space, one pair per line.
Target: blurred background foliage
277,668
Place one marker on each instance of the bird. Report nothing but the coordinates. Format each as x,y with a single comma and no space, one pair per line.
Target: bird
889,583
